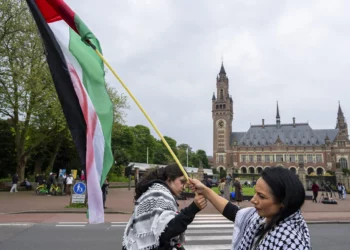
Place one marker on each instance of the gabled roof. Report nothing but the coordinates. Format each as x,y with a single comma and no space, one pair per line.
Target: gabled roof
299,135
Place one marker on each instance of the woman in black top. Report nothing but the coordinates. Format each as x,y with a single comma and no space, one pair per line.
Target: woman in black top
275,221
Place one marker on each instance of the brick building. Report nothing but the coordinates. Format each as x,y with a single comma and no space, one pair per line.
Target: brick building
292,145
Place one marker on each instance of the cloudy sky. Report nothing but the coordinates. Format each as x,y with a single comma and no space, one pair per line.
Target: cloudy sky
169,52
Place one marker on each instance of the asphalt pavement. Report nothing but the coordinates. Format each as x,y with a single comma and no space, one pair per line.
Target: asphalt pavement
207,232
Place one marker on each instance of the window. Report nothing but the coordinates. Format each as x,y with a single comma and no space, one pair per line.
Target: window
244,158
221,158
309,158
343,163
221,94
267,158
258,158
292,158
251,158
301,158
279,158
318,158
341,143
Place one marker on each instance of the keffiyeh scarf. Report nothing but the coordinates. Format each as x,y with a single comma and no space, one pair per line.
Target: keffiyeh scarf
291,233
152,213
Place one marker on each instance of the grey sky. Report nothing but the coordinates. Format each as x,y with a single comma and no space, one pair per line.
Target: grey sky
169,53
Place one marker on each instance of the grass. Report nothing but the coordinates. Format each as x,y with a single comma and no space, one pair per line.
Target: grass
76,205
249,191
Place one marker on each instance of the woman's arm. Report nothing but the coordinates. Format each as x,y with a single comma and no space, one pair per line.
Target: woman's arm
225,207
179,223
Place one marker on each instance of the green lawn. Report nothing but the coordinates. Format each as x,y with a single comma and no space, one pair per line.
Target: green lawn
246,190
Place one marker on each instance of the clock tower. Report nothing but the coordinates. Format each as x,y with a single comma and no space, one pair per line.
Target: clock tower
222,113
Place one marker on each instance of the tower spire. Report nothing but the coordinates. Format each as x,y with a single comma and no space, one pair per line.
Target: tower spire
340,111
222,70
278,118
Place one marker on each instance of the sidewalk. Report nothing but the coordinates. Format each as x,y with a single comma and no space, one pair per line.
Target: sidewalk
120,201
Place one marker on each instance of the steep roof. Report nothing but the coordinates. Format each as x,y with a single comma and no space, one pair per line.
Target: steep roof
298,135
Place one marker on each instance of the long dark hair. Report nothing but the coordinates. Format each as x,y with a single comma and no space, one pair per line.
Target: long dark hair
287,189
168,173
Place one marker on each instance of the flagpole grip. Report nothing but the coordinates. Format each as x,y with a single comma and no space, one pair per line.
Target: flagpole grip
144,112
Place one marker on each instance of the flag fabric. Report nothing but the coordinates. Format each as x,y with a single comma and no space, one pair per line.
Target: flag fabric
78,75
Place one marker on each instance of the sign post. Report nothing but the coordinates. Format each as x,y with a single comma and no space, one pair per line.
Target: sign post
79,193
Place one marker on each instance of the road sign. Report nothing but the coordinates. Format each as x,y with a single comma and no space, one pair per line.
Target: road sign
79,188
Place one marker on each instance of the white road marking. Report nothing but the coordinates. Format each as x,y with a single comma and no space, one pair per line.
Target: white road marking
208,247
212,226
208,237
70,225
16,224
72,222
210,231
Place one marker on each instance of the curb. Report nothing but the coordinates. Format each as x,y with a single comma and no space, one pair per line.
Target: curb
62,212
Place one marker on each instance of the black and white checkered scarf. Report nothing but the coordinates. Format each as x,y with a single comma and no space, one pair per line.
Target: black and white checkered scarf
152,213
291,233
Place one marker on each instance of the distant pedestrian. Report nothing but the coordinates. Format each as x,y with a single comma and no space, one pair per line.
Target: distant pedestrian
14,183
340,190
222,185
27,184
238,191
344,191
104,189
69,182
315,189
60,182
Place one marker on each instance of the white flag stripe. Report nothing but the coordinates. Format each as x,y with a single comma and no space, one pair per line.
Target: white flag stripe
208,247
208,237
211,226
209,231
213,221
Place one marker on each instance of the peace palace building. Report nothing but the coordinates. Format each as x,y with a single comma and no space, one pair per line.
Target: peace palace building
291,145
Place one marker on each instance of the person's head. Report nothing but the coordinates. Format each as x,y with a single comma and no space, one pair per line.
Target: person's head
171,175
223,179
314,183
278,194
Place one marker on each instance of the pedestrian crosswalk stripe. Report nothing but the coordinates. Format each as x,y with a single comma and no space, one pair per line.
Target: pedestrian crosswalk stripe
209,231
212,221
208,237
230,225
209,247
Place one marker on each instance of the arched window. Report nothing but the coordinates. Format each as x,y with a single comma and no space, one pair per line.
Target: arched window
251,170
319,171
310,170
221,94
243,170
259,169
343,163
224,106
217,106
293,170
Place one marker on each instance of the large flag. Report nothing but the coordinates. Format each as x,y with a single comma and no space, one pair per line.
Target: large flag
78,75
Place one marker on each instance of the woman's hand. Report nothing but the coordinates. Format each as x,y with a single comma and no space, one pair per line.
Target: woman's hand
197,186
200,201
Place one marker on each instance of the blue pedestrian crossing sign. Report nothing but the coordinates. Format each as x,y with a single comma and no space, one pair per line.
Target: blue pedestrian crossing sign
79,188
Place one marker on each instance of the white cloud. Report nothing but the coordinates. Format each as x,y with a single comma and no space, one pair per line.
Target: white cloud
169,53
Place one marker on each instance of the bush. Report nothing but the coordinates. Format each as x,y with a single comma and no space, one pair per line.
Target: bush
115,178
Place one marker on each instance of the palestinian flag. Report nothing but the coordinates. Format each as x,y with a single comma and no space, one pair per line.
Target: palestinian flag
78,75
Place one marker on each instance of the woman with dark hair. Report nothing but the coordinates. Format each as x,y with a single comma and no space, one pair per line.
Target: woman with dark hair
275,221
156,222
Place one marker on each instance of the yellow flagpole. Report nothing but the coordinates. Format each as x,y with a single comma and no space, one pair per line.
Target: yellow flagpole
143,111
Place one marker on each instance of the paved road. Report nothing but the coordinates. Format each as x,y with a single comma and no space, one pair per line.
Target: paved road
207,232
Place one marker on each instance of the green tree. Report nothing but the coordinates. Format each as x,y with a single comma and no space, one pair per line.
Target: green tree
143,140
7,150
25,80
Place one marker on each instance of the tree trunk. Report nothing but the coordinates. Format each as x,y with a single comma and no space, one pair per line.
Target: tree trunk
53,155
38,165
